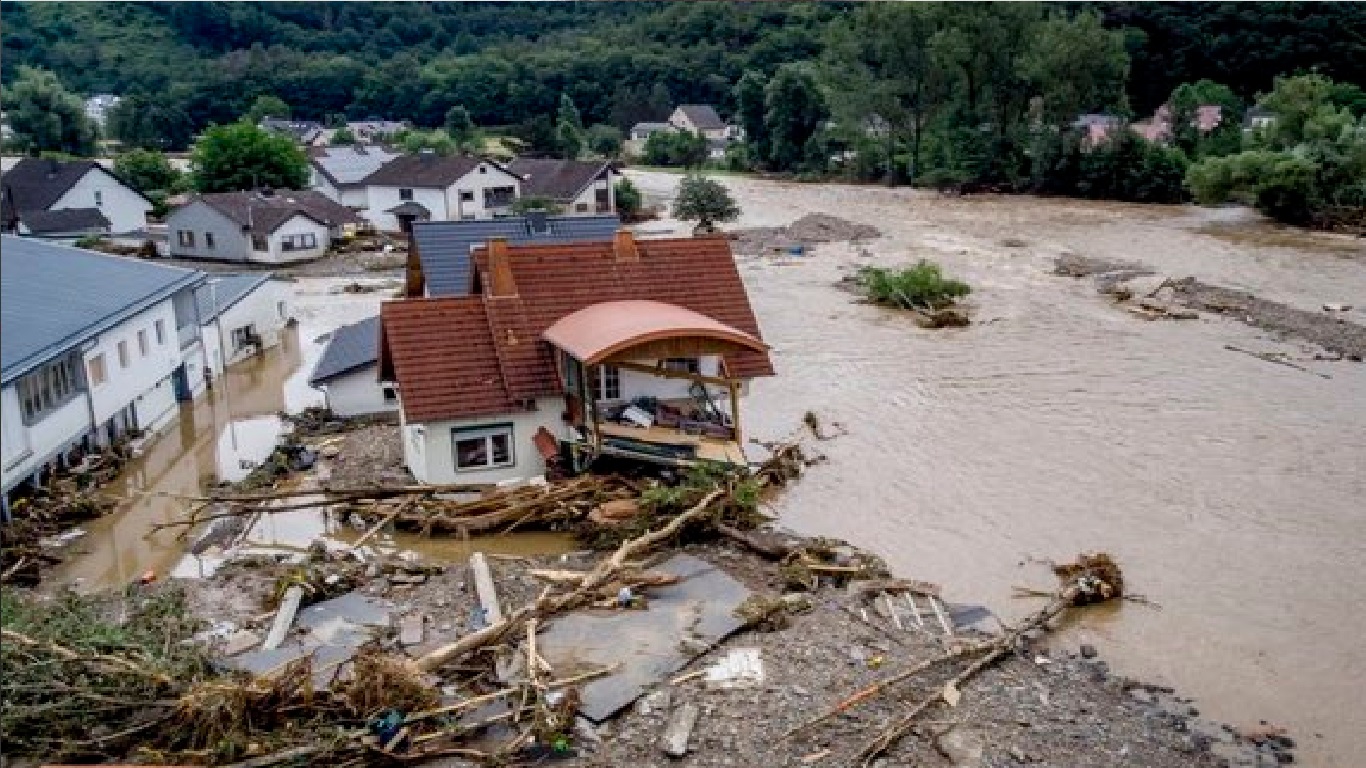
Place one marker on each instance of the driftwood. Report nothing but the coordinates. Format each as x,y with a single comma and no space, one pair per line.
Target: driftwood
548,604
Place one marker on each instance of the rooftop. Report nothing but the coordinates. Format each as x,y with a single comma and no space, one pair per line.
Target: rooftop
346,166
559,180
443,247
425,169
702,116
54,297
221,291
35,184
267,211
350,347
64,221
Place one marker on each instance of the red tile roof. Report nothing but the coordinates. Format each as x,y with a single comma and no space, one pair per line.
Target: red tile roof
448,367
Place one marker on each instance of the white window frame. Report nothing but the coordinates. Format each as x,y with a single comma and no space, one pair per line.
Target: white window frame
47,389
464,434
97,370
305,241
160,326
99,197
185,238
124,357
142,342
208,240
607,380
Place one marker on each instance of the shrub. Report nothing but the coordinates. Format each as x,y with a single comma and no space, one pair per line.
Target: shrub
920,287
629,200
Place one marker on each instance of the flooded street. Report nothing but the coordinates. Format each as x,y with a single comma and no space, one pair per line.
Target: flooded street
1233,491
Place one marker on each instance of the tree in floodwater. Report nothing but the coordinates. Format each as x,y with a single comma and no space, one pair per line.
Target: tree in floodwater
705,201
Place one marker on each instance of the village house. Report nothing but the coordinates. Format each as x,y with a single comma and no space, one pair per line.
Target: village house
348,372
266,227
564,353
1258,117
440,252
92,347
305,132
68,199
700,119
431,187
575,187
240,315
339,172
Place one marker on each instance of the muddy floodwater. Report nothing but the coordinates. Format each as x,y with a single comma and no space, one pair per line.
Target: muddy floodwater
1232,490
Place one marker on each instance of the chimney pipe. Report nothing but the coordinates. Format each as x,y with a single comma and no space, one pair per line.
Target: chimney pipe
624,246
501,283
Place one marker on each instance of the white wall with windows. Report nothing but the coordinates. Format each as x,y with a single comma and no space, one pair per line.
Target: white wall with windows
601,192
381,199
297,239
120,368
261,314
491,449
483,193
125,209
197,230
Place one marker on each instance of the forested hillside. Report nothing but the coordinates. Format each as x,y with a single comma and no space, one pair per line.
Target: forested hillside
619,62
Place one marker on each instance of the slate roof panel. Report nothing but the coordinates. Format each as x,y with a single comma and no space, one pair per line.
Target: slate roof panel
702,116
64,220
350,347
422,170
558,180
348,166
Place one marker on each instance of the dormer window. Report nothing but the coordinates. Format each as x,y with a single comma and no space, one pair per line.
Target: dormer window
405,194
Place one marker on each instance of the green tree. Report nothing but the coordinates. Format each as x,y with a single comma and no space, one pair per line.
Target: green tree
343,137
267,106
705,201
1077,65
750,108
147,171
568,128
243,156
45,117
460,126
414,140
794,109
1296,102
150,122
1185,101
604,140
675,148
630,203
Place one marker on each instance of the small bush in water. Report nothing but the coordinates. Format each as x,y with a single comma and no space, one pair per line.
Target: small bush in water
920,287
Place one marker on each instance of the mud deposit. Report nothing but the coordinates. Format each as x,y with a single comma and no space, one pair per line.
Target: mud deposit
1231,489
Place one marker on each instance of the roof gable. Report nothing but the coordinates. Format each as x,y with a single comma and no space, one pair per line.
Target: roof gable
442,354
350,347
427,169
221,291
702,116
265,213
559,180
37,183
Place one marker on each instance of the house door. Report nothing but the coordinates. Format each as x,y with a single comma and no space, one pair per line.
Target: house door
180,382
405,223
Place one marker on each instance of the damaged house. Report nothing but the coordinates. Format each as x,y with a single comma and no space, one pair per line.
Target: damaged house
640,349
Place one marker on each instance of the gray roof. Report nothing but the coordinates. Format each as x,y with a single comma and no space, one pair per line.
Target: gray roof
702,116
221,291
425,169
652,127
558,180
36,184
53,297
346,166
444,246
260,212
351,347
64,221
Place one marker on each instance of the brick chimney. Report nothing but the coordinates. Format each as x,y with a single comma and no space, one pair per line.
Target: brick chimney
501,282
624,246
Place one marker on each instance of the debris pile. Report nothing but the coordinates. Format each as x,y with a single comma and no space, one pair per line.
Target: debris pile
800,235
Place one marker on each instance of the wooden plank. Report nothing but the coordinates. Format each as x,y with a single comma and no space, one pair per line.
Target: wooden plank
679,730
664,373
939,614
484,588
915,610
284,618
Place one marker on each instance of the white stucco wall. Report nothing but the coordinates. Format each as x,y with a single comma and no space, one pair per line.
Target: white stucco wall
381,199
299,225
261,309
358,393
444,204
143,373
589,196
26,447
125,209
429,451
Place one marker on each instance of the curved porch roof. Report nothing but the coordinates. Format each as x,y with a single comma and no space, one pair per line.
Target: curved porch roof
599,331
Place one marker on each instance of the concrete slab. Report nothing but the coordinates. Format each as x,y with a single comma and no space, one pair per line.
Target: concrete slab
683,621
334,629
410,629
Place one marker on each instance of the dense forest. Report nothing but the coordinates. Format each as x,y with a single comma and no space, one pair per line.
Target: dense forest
619,62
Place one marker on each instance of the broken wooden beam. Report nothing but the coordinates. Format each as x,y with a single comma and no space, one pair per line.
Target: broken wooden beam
284,618
485,589
674,742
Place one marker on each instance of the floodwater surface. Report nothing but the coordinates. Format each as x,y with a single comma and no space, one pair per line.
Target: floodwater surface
1232,491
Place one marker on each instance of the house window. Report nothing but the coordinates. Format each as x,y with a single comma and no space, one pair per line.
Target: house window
581,207
682,365
483,448
99,197
185,238
482,169
280,309
260,243
466,195
160,327
244,337
142,343
405,194
498,197
47,389
98,374
123,354
299,242
389,394
208,240
608,385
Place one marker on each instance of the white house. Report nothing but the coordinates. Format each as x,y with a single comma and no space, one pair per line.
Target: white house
241,315
93,346
700,119
348,372
339,172
35,188
571,351
430,187
576,187
264,227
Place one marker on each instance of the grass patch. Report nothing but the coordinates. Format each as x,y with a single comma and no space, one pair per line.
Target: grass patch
920,287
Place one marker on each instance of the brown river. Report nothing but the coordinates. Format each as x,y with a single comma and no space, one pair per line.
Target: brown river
1233,491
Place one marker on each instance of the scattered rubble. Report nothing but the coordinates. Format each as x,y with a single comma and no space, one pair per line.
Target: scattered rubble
800,235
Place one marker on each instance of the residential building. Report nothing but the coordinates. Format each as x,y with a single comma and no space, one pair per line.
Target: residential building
92,347
35,186
564,353
641,132
1258,117
576,187
700,119
241,315
1096,128
267,227
439,252
432,187
305,132
348,372
339,172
